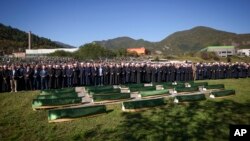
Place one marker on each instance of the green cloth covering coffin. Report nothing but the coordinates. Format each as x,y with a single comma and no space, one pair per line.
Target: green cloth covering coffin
114,96
153,93
63,90
199,84
216,86
54,102
143,103
105,91
76,112
99,88
58,95
186,89
196,97
223,93
149,88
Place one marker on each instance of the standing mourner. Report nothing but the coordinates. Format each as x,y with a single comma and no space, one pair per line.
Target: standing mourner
6,79
20,74
75,75
43,76
87,74
58,75
111,75
105,74
36,78
28,78
13,78
94,75
69,74
100,75
127,73
51,73
81,74
64,77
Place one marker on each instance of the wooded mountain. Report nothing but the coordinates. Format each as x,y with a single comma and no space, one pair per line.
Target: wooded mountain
12,40
183,41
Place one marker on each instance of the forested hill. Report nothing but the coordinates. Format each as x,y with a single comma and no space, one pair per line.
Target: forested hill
12,40
183,41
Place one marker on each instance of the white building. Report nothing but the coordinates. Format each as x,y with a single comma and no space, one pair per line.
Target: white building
222,51
44,52
245,52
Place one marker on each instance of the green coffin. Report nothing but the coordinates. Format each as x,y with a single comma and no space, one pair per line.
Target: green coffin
199,84
216,86
56,102
143,103
57,95
153,93
149,88
63,90
188,89
91,88
115,96
104,91
76,112
196,97
223,93
135,85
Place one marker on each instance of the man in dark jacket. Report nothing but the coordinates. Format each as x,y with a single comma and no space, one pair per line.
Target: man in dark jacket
28,78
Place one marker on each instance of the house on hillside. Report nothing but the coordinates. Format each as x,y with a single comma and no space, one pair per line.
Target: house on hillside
245,52
222,51
19,54
139,51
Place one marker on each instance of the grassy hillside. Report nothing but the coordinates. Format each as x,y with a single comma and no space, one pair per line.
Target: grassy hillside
206,120
13,39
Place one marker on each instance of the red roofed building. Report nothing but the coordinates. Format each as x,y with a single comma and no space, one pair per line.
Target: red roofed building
139,51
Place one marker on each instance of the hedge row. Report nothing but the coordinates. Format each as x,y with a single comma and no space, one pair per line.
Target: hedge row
223,93
143,103
216,86
196,97
76,112
54,102
113,96
153,93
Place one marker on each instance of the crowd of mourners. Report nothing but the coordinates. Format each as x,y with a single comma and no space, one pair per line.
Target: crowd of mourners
40,75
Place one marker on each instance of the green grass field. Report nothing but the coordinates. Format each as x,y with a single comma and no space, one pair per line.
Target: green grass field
205,120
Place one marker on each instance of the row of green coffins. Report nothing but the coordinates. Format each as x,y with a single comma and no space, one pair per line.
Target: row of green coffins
70,113
141,87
